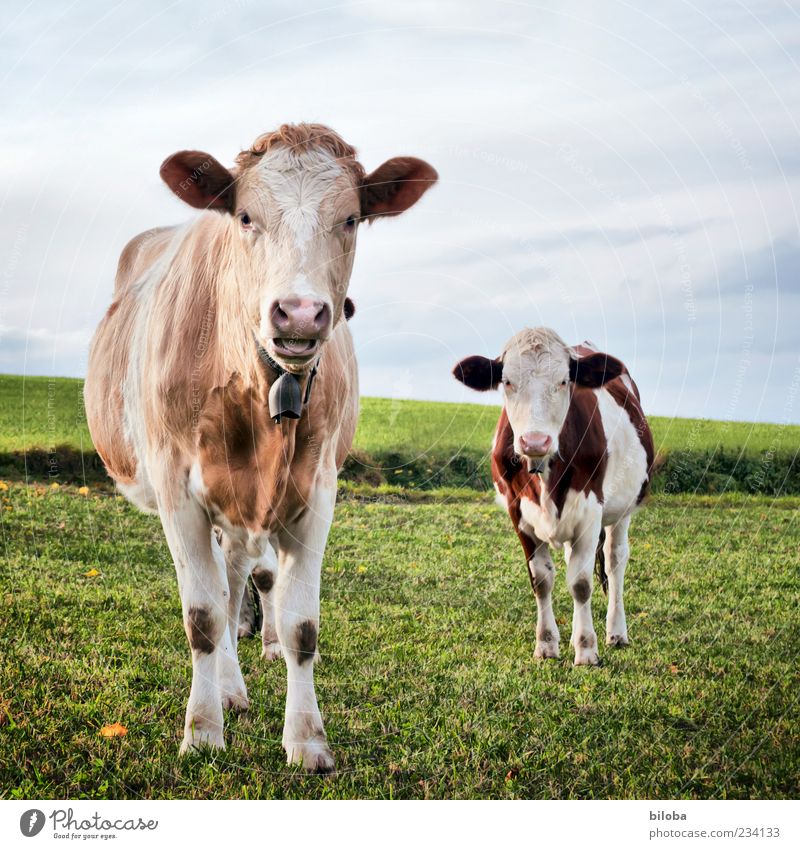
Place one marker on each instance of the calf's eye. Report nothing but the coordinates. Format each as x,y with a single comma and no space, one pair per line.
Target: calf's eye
350,223
247,223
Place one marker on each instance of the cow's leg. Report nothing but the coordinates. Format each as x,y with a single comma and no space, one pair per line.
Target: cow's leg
616,553
265,574
580,566
247,615
542,576
237,566
204,598
300,550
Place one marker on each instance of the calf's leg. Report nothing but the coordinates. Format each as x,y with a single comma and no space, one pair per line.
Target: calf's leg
265,574
237,566
580,565
203,587
301,546
616,552
542,577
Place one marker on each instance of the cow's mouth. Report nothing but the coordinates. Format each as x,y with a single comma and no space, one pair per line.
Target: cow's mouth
295,349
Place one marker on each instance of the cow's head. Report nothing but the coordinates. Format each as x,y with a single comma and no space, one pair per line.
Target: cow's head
294,202
537,371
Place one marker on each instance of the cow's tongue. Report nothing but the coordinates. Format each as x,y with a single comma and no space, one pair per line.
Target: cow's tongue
296,346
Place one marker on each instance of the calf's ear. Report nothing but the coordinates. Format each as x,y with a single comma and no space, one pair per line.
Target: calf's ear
594,370
395,186
479,373
199,180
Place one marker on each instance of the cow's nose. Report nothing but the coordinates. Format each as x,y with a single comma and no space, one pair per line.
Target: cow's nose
300,318
535,444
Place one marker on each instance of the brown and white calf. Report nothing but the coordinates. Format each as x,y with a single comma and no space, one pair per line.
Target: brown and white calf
572,455
198,401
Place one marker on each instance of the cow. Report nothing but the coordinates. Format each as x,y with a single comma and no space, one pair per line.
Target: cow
571,462
222,394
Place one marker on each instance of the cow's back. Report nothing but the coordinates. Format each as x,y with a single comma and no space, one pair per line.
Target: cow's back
109,356
629,446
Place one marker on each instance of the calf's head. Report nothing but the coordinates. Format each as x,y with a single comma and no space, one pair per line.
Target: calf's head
538,372
294,202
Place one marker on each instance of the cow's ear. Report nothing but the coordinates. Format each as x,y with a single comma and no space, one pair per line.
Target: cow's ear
394,187
479,373
594,370
199,180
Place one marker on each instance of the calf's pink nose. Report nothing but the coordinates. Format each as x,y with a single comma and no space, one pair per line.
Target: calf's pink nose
300,317
535,444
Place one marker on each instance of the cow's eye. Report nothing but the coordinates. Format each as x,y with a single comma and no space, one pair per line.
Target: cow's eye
349,223
564,382
507,383
247,223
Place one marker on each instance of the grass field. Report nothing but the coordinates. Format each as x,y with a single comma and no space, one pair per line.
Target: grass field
415,443
427,684
39,412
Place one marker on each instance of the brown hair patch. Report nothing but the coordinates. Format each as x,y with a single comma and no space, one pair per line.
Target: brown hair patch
200,627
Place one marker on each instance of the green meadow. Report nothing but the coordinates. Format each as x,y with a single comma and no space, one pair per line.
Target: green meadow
427,682
416,444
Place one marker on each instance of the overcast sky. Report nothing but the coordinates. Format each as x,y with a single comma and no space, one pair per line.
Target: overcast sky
626,173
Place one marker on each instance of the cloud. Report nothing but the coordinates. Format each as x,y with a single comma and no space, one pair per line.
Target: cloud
616,173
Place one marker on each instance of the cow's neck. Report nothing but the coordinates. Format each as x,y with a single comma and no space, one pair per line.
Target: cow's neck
288,394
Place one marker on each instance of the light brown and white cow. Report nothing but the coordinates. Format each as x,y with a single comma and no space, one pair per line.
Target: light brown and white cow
571,461
200,400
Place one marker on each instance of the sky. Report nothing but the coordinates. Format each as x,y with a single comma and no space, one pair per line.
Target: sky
626,173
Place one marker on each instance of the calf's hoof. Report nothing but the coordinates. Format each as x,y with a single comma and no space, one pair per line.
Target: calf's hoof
236,702
617,640
586,650
314,755
546,651
196,738
271,651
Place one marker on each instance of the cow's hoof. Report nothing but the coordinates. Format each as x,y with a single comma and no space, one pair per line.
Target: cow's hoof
587,657
313,755
196,739
546,651
617,640
236,702
271,651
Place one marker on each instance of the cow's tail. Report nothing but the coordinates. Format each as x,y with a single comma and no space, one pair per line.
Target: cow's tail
600,562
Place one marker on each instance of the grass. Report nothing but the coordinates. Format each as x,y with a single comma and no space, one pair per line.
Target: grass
417,444
417,427
42,412
428,683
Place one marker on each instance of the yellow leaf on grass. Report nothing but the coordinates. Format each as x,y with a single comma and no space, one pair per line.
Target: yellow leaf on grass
92,573
115,730
3,486
84,490
55,485
361,569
